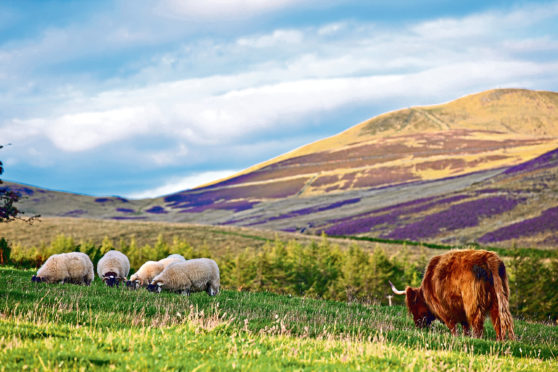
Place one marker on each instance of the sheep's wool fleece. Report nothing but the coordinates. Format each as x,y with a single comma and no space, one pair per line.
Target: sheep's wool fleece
75,266
193,275
147,272
114,261
173,258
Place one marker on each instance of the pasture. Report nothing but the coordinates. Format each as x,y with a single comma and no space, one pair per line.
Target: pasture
50,327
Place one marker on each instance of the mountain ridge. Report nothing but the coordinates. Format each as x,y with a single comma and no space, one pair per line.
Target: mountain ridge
358,138
360,127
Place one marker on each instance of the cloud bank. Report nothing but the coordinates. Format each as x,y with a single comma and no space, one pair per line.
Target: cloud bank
209,94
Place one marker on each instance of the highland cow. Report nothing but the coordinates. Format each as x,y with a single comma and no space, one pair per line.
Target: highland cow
461,287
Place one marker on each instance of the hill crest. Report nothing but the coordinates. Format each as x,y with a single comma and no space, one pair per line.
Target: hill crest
488,130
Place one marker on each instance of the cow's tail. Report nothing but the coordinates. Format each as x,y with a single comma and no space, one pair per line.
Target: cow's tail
502,290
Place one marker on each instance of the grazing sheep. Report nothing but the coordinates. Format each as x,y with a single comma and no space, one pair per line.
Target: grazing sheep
151,269
74,267
200,274
173,258
113,268
145,274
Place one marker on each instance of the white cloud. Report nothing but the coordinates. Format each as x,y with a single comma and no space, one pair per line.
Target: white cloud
219,92
168,157
181,184
213,118
278,37
87,130
486,25
219,9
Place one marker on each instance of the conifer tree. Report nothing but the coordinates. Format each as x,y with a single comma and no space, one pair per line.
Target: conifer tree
8,211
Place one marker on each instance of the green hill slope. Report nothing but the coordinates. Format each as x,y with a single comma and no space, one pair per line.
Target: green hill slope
71,327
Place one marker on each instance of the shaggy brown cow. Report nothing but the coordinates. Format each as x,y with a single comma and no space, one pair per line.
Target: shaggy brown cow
461,287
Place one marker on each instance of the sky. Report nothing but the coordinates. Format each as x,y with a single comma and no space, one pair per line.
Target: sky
145,98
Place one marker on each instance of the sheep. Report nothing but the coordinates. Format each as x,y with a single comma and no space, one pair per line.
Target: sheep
171,259
145,274
200,274
73,267
113,267
150,269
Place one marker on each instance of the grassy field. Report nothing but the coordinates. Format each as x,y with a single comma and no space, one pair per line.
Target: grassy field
50,327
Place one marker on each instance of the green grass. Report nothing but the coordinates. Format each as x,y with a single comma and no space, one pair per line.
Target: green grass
71,327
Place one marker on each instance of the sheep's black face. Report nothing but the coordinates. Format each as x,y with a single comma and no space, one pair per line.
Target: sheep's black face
111,281
36,279
132,284
152,287
156,288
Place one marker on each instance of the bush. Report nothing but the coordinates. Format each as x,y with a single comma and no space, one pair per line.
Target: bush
534,288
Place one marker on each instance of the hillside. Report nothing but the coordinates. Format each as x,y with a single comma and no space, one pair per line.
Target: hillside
517,207
488,130
418,164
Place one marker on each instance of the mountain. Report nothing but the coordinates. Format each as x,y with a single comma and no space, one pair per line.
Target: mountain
478,132
379,178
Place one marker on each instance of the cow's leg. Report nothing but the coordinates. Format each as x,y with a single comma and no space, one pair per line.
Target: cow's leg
466,328
496,323
476,319
452,326
449,322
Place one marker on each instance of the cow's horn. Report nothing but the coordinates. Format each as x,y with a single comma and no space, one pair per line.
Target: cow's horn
395,290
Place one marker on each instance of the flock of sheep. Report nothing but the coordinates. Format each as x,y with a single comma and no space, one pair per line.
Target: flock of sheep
173,273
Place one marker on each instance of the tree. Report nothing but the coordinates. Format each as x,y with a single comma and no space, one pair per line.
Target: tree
9,212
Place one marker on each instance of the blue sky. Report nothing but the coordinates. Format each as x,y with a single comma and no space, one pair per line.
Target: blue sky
144,98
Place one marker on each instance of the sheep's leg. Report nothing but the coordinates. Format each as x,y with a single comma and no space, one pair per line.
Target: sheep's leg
185,292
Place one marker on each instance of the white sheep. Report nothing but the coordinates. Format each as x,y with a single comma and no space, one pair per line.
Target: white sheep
173,258
113,267
151,269
145,274
74,267
200,274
